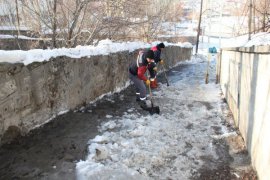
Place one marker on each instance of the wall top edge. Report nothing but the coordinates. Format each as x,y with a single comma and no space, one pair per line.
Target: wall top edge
253,49
42,56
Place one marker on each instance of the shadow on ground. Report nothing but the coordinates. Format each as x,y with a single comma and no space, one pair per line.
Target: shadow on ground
51,152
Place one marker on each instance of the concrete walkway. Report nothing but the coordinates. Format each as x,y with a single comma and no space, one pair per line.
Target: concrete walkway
192,138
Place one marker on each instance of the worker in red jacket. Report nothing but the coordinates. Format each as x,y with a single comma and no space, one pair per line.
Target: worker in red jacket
137,70
153,69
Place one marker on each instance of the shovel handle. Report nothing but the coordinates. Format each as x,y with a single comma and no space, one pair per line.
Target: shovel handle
165,75
150,92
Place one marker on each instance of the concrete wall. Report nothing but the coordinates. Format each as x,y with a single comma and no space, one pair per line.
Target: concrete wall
245,81
32,94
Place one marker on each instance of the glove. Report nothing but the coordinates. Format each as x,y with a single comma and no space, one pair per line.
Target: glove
147,82
161,62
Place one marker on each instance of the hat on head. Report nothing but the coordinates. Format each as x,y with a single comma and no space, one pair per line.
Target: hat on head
149,54
161,45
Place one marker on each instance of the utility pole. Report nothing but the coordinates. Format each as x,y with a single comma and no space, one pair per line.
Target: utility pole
199,28
250,19
174,9
254,16
210,12
220,23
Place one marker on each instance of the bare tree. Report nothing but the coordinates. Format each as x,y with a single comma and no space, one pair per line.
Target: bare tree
262,9
46,16
72,22
255,11
17,17
54,24
80,5
250,20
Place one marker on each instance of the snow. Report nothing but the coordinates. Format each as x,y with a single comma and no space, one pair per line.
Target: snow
169,145
13,28
104,47
262,38
224,135
62,112
259,39
165,146
3,36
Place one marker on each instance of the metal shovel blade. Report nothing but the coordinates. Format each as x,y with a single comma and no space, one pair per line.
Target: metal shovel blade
151,108
154,110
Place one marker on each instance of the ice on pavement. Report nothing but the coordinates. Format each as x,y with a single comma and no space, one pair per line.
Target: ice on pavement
165,146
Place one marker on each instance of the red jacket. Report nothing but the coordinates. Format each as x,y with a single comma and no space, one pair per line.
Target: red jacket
139,67
141,71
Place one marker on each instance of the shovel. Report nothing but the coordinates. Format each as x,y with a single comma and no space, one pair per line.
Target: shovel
165,75
207,71
153,109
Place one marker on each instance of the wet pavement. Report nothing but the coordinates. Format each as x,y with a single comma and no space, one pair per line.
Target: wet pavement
52,151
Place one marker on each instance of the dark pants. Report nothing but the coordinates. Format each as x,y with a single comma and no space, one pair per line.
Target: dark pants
153,73
139,85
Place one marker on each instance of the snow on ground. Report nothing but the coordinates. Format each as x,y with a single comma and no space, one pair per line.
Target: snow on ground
165,146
